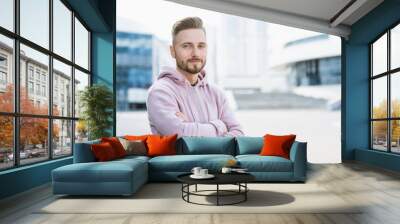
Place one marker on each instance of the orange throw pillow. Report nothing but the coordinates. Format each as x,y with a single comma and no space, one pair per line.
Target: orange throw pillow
116,145
103,151
161,145
277,145
136,137
142,138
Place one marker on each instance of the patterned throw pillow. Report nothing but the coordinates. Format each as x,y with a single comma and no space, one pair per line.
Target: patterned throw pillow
134,147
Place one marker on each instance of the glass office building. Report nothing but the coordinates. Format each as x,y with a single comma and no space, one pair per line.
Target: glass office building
134,69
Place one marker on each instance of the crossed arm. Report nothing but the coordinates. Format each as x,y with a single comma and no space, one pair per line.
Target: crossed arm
165,116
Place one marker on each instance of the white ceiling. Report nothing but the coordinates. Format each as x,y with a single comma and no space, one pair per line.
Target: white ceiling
315,15
321,9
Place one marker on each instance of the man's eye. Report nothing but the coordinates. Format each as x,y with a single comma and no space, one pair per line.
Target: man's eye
185,46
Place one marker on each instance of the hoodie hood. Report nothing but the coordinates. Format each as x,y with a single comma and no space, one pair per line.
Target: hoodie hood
179,78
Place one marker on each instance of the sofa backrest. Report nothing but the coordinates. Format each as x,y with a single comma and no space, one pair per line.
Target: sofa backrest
249,145
83,152
206,145
184,145
190,146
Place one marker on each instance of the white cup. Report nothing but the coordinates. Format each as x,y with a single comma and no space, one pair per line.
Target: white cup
203,172
226,170
196,170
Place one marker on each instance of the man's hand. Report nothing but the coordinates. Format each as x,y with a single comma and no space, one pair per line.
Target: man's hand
181,116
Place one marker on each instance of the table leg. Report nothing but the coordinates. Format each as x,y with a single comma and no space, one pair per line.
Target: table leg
217,194
188,190
182,188
245,193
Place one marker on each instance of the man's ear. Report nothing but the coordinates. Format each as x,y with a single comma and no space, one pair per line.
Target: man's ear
172,51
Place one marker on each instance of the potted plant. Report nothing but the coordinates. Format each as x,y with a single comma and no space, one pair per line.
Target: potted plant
96,103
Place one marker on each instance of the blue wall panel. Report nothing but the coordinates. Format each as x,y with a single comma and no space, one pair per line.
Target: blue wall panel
357,99
103,64
102,58
24,178
377,158
355,53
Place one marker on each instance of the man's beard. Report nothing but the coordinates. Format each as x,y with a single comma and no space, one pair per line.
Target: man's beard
194,69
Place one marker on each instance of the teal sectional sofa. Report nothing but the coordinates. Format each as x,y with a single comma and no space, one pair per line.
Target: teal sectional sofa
125,176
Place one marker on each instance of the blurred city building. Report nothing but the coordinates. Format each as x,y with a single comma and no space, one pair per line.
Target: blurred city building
34,82
302,72
140,56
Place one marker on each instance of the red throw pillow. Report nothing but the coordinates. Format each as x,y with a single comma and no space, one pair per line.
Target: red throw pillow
277,145
103,151
116,145
161,145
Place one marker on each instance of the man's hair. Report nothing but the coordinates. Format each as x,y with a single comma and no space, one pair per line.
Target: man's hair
187,23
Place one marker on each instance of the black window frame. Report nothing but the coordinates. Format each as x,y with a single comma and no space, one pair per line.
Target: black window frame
388,74
16,115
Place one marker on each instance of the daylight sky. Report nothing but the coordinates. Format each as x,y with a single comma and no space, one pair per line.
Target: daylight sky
158,16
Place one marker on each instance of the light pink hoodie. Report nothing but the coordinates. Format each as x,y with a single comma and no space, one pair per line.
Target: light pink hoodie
204,106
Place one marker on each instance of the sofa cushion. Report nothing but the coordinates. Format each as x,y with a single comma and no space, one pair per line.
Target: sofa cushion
134,147
103,152
249,145
116,145
185,163
161,145
133,158
136,137
257,163
111,171
206,145
142,138
275,145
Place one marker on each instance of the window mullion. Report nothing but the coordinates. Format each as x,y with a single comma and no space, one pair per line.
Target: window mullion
389,90
73,82
50,81
16,84
371,98
389,107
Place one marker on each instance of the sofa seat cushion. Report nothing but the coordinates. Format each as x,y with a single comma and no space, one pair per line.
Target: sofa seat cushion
133,158
185,163
112,171
257,163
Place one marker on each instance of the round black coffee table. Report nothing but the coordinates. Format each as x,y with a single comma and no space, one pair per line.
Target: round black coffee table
238,179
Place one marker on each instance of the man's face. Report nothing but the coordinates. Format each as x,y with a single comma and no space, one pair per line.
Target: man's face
190,50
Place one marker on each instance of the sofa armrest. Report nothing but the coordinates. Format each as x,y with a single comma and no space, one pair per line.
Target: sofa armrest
298,155
83,152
